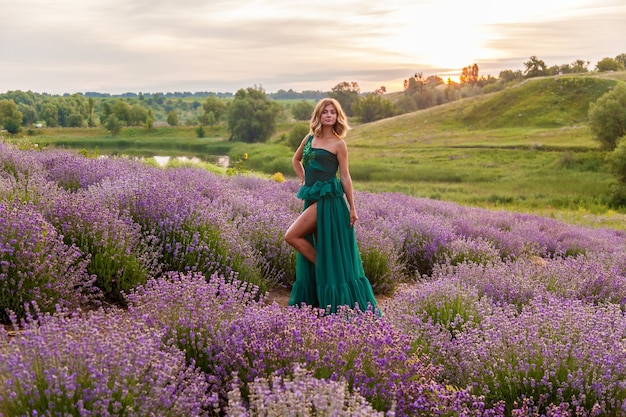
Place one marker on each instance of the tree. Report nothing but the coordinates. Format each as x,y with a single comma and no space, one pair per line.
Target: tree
252,116
373,107
535,67
12,126
49,113
405,104
580,66
617,167
296,134
381,90
10,116
172,118
75,120
507,76
607,117
617,161
346,94
609,64
215,106
209,119
29,114
122,111
138,115
621,58
302,110
90,106
469,75
113,125
415,84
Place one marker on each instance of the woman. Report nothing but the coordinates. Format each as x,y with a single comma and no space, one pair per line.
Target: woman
329,270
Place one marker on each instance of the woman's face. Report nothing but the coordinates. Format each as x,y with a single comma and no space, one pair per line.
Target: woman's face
329,115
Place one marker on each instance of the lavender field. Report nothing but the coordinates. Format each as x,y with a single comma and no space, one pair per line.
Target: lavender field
132,290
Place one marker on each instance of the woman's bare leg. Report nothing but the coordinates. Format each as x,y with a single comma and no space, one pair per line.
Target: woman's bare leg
304,225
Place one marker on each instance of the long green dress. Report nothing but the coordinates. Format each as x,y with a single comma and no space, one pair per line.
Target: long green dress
337,278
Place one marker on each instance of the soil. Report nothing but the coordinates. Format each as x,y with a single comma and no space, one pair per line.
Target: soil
280,295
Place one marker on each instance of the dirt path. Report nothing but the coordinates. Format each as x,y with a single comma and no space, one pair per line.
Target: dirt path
280,295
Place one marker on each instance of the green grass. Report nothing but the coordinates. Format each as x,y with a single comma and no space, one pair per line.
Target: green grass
527,148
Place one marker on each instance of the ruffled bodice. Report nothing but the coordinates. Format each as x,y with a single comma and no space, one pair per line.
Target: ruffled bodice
319,164
320,174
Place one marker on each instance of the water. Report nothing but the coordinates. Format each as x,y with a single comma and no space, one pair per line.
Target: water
220,160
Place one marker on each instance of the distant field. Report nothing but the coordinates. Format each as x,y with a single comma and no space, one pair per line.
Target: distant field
527,148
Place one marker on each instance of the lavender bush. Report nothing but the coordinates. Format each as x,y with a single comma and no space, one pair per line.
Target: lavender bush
300,395
237,340
187,213
98,364
119,255
35,264
554,353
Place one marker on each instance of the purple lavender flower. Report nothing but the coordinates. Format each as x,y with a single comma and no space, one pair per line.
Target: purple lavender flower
99,363
35,264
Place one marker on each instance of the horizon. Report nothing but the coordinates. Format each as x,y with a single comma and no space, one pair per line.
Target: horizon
120,46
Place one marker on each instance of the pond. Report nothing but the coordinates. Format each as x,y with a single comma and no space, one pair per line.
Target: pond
219,160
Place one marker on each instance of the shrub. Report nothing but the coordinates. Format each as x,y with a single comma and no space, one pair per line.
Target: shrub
119,255
103,364
235,339
302,395
36,266
553,352
607,117
381,260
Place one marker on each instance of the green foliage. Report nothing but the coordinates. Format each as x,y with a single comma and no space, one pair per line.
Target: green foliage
237,164
10,116
172,118
607,117
75,120
535,67
200,132
373,107
346,94
252,116
302,110
378,267
617,161
609,64
405,104
12,126
296,134
214,108
113,125
617,164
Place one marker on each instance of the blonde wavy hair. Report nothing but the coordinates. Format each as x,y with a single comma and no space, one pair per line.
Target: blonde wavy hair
341,126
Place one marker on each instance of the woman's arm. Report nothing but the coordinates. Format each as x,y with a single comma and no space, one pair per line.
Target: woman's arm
346,180
296,161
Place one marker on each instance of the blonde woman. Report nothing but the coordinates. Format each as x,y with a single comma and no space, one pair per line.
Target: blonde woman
329,270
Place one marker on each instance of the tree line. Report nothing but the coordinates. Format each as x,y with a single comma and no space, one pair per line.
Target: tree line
250,113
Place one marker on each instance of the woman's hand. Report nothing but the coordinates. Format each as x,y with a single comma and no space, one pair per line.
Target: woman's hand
353,217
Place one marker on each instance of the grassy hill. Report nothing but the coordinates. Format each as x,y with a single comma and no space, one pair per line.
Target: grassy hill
527,148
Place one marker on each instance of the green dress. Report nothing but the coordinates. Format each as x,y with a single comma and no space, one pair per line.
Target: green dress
337,278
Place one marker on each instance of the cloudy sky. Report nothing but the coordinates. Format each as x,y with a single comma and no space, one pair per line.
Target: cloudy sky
115,46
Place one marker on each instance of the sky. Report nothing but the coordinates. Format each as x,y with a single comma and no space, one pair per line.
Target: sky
117,46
